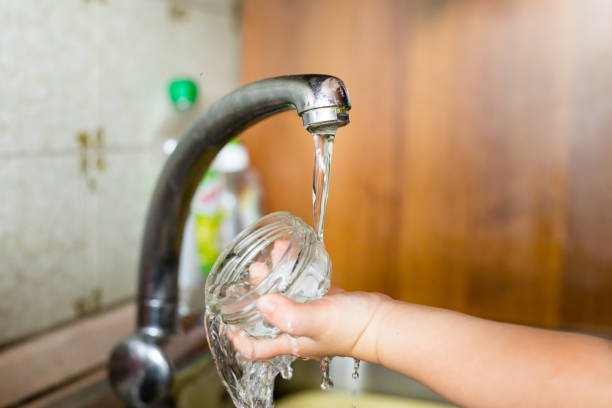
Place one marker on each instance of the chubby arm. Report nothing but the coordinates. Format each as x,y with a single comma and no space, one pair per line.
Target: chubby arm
481,363
471,361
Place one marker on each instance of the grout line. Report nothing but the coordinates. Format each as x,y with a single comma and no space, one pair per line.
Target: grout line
208,6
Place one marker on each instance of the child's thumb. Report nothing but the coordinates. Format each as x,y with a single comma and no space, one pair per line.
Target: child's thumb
298,319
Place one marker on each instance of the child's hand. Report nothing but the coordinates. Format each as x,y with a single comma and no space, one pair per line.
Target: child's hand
339,324
474,362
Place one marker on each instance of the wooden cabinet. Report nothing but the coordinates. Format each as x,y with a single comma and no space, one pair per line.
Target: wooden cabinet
476,173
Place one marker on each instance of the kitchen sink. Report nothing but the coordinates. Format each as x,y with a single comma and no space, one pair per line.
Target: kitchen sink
198,385
376,387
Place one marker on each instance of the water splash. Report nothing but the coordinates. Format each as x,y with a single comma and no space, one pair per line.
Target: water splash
301,271
250,383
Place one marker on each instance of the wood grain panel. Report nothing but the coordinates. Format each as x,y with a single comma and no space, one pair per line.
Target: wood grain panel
475,173
55,359
484,193
362,172
587,284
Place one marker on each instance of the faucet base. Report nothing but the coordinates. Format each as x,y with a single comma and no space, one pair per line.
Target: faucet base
139,372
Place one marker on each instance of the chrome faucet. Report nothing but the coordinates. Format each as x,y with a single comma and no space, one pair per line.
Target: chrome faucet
143,368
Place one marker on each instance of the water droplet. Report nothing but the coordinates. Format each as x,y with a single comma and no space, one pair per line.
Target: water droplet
326,382
287,373
356,364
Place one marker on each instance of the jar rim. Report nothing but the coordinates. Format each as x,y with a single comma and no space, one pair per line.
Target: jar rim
243,250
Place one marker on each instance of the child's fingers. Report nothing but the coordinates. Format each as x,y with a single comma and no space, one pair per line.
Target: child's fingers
298,319
263,349
278,250
257,272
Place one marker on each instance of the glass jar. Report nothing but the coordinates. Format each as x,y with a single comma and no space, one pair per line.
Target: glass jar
279,253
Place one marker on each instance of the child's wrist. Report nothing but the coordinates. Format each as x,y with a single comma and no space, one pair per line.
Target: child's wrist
366,347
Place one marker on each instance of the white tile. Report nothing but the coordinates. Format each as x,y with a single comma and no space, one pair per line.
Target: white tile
43,267
75,66
118,211
141,48
48,80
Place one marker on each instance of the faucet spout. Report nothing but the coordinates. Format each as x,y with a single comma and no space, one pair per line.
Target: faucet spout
323,103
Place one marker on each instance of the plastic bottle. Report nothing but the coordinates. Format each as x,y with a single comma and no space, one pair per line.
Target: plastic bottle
226,201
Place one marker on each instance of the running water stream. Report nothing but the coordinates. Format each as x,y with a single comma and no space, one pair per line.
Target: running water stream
323,147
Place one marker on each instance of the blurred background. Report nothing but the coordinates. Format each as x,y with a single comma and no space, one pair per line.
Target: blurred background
476,173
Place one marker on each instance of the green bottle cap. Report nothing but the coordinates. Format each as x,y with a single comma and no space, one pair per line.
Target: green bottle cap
183,93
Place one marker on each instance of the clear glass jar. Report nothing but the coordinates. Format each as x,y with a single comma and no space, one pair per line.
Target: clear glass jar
279,253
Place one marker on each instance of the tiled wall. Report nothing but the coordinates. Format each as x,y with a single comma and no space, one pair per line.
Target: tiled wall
84,112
